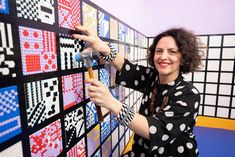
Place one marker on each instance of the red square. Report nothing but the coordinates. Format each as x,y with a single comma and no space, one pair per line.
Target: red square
32,63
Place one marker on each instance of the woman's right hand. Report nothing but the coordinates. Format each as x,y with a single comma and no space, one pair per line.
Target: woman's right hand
94,42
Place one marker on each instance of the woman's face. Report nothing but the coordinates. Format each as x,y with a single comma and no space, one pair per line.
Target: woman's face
167,57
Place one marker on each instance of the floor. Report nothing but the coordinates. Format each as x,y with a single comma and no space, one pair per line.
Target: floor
215,142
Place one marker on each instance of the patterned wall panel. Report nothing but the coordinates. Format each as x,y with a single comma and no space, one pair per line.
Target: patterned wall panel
42,100
37,10
10,124
47,141
69,13
38,50
7,53
89,16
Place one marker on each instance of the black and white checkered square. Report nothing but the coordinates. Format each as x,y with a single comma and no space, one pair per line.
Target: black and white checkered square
28,9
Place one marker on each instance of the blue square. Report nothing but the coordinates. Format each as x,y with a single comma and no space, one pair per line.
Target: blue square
9,113
4,7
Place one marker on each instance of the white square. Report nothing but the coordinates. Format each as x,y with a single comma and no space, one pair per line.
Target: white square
215,41
232,113
199,76
225,89
224,101
203,65
233,102
203,40
200,110
211,88
214,53
188,76
229,40
226,77
210,100
212,77
199,86
213,65
209,111
228,53
201,99
222,112
227,65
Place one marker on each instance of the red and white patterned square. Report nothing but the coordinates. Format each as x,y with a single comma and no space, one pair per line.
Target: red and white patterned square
69,13
47,141
38,50
78,150
72,88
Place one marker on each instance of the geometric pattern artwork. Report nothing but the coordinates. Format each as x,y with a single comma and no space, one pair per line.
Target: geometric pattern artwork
103,27
36,10
69,47
104,77
4,8
93,140
14,150
105,128
47,141
9,113
42,99
91,115
106,147
38,50
89,16
79,150
7,55
69,13
114,122
113,29
72,87
122,32
74,126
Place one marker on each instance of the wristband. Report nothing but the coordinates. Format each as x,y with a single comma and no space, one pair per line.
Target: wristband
111,56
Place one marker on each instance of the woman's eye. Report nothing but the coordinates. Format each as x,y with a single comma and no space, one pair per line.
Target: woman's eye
172,52
158,51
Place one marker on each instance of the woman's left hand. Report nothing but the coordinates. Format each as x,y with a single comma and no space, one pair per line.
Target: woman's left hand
100,94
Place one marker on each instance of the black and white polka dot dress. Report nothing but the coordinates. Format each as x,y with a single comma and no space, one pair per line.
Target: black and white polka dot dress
171,126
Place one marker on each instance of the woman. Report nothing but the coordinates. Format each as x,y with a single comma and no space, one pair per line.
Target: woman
163,127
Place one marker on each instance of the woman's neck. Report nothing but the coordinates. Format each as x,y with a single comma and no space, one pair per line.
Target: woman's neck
164,79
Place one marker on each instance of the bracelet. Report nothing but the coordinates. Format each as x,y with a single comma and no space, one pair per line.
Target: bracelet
126,115
111,56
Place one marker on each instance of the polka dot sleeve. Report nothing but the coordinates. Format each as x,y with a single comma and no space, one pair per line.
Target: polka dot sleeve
134,76
177,118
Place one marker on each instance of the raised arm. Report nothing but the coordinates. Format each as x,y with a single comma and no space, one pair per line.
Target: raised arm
96,44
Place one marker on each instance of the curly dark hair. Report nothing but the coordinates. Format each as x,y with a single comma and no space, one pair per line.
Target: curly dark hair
188,45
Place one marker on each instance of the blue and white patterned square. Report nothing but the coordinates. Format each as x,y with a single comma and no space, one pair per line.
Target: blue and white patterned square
91,115
105,77
9,113
105,128
103,27
4,7
122,32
